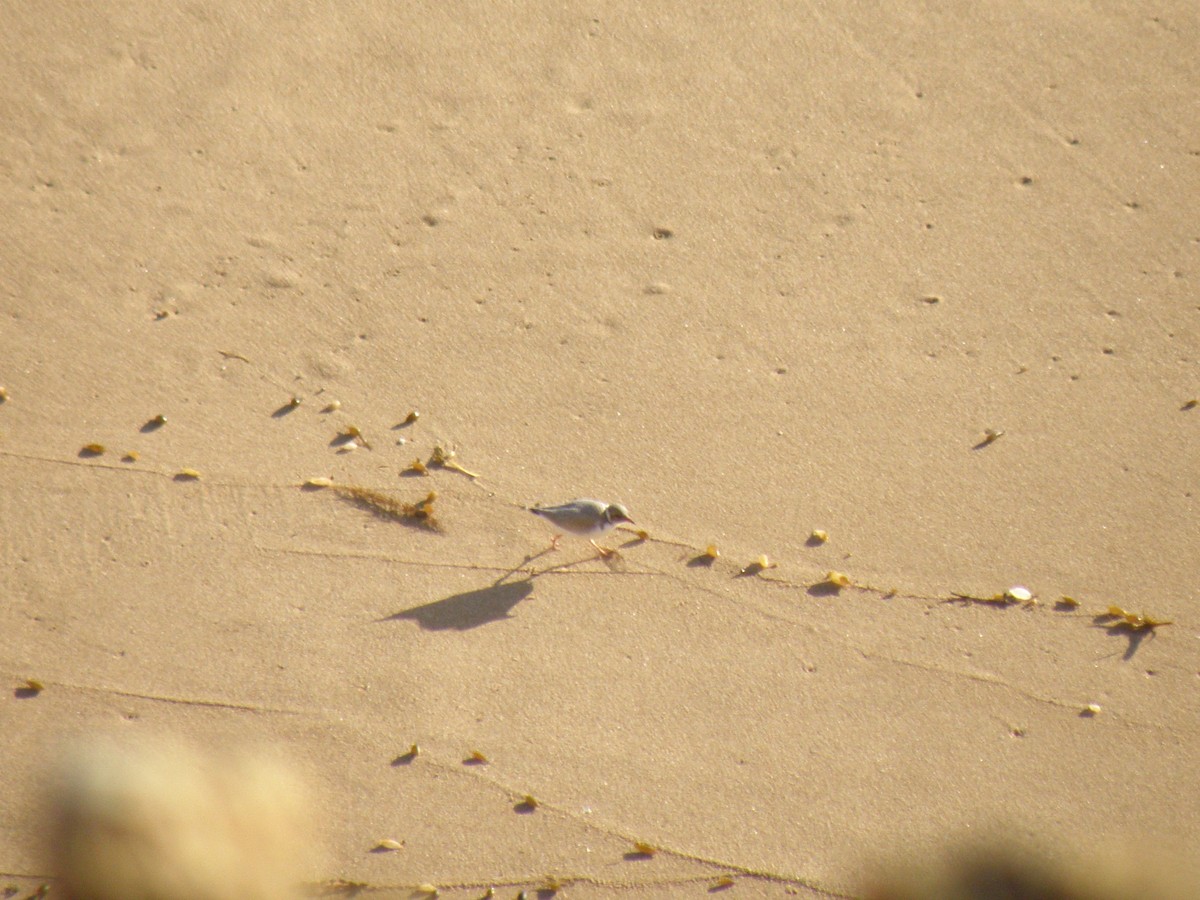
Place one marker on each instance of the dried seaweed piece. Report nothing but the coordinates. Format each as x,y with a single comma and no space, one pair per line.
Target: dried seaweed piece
759,565
1117,618
475,758
405,759
429,890
1139,622
711,552
92,450
187,475
332,406
3,395
388,507
723,883
1067,602
641,848
131,456
387,845
445,459
351,434
838,579
321,481
417,468
819,536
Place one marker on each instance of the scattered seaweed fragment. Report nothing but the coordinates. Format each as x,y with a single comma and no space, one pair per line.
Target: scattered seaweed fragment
990,436
444,459
353,433
419,514
30,687
759,565
187,475
837,579
475,758
89,450
1117,619
405,759
416,467
1015,594
387,845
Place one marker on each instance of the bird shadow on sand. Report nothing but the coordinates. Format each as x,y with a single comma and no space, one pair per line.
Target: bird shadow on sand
1134,636
494,603
470,609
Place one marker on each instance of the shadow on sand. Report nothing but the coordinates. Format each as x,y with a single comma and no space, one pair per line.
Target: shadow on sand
471,609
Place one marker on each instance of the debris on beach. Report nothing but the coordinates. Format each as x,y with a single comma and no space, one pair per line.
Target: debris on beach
1118,618
351,434
759,565
838,579
444,459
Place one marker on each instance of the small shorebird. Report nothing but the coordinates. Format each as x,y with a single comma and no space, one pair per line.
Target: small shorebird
586,518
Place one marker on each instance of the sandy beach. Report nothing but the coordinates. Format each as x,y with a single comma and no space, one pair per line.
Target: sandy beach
882,322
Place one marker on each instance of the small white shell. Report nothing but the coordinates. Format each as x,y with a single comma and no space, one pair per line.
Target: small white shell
1018,593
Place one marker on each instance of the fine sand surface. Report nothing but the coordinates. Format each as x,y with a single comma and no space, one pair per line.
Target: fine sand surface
750,274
